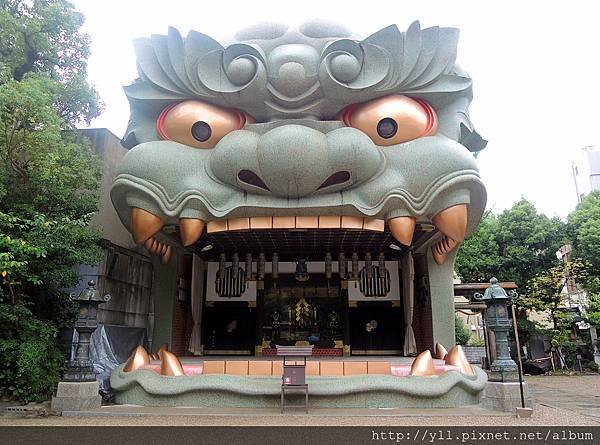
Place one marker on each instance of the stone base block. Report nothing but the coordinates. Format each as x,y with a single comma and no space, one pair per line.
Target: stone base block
503,376
76,396
505,396
524,413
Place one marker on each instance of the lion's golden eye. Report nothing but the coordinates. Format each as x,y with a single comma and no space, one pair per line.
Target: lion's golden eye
392,120
199,124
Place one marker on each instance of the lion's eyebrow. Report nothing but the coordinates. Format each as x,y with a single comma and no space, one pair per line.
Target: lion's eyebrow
324,126
261,31
418,63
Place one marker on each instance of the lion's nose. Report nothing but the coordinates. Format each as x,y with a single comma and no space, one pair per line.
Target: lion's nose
293,160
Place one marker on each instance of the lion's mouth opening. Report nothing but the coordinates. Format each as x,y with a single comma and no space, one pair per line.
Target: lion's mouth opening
309,237
292,237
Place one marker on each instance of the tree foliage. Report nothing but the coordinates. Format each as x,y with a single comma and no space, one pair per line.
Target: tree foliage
545,291
593,309
44,168
42,38
478,258
584,231
461,331
31,359
49,179
528,241
520,245
514,246
37,255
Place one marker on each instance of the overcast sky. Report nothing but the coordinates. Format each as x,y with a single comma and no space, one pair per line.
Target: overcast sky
535,67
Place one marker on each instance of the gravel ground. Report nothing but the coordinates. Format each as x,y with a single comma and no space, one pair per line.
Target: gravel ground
543,415
588,385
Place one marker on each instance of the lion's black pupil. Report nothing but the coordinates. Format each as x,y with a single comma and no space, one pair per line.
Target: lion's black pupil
386,128
201,131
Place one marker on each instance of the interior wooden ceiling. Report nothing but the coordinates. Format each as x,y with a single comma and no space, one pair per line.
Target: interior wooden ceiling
312,244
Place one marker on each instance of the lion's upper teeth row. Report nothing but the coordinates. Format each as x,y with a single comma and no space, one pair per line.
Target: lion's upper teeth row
452,222
296,222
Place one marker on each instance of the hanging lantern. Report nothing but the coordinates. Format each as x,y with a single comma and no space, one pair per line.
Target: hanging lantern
301,270
381,265
248,267
261,266
342,265
222,260
369,265
328,265
354,266
275,266
260,271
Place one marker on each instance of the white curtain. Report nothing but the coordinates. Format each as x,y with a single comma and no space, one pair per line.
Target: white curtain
195,346
408,302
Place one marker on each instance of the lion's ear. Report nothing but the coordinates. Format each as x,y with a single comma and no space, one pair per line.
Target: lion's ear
471,139
129,140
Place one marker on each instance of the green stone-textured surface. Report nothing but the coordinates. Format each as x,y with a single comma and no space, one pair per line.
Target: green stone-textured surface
164,280
441,288
144,387
295,82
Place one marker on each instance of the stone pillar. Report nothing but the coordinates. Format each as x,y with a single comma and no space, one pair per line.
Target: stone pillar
259,321
164,288
441,290
345,319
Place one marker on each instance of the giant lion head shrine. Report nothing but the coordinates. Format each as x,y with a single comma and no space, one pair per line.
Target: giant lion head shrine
305,191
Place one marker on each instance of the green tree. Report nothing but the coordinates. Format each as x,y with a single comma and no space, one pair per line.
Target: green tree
41,37
478,258
593,309
48,185
545,291
528,242
514,246
461,331
584,231
519,245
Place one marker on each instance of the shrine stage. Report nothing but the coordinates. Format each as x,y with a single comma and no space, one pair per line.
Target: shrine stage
337,382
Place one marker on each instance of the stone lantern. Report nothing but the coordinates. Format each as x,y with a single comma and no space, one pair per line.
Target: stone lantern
504,391
79,388
503,368
80,368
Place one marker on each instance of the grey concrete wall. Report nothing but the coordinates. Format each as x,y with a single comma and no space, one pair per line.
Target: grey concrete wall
108,147
441,289
127,277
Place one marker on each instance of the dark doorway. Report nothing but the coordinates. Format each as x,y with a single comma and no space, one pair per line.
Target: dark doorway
376,328
229,329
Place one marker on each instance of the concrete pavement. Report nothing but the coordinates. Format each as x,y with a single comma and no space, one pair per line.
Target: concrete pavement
565,401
